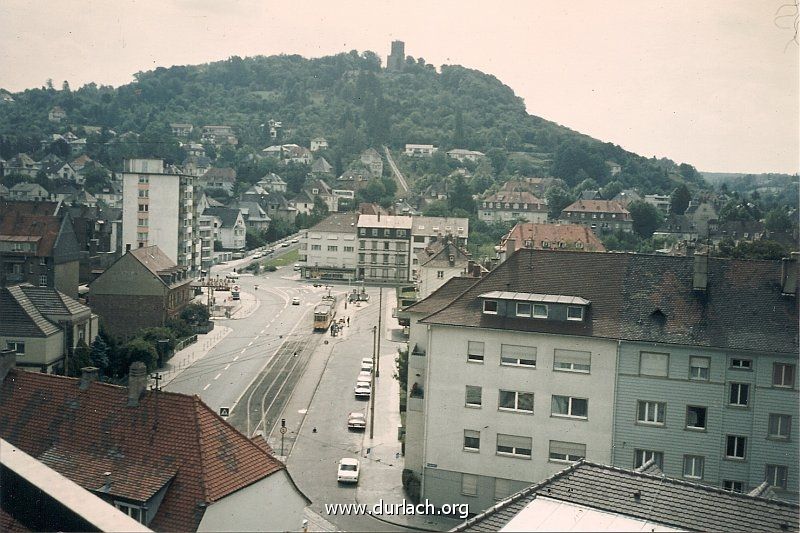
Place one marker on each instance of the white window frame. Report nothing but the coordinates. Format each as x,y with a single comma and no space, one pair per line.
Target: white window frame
469,484
579,308
733,485
555,457
570,366
691,465
516,408
514,449
665,355
536,314
784,422
472,353
470,434
523,313
782,384
480,396
707,368
737,363
696,428
134,511
517,360
488,311
570,409
739,387
736,450
652,409
772,474
640,457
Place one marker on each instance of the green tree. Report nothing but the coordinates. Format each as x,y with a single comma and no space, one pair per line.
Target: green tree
679,199
778,220
611,189
99,353
557,199
498,157
460,196
195,314
80,359
646,218
137,349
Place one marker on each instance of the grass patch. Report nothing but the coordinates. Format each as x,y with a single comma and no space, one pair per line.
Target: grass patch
289,258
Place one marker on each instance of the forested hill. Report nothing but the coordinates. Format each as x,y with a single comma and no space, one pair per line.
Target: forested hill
347,98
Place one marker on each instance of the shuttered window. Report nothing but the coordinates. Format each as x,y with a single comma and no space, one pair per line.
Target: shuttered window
654,364
514,445
566,451
469,484
572,361
514,355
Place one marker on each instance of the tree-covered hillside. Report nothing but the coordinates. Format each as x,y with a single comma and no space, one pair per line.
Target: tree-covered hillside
346,98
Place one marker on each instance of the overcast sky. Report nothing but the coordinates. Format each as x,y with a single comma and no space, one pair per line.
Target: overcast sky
711,83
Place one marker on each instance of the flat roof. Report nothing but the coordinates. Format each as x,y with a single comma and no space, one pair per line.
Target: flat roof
533,297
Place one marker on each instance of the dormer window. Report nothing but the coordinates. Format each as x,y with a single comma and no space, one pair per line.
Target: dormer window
523,309
545,244
490,307
574,312
539,311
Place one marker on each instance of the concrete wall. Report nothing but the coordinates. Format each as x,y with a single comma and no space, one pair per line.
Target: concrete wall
327,258
447,416
272,504
164,201
429,279
41,353
65,278
677,391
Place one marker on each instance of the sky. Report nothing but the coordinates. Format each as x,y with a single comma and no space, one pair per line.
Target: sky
714,84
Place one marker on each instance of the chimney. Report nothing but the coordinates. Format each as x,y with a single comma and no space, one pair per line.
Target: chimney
8,360
93,245
470,267
127,248
700,281
511,247
137,383
789,275
88,375
379,214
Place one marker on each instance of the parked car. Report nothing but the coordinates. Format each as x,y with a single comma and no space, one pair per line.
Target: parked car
284,244
362,390
232,275
348,471
366,364
296,267
296,300
295,241
356,420
364,376
258,255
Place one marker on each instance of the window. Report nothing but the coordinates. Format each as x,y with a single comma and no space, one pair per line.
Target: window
333,248
17,346
143,207
349,249
742,364
132,511
316,247
574,312
572,361
503,488
776,475
362,231
490,307
475,351
374,258
440,274
740,393
401,233
780,426
472,440
732,486
361,258
653,364
566,452
640,457
651,413
43,260
513,445
698,368
539,311
783,375
43,280
570,407
362,245
385,245
511,355
473,396
419,238
515,401
374,233
735,447
695,417
469,484
693,466
523,309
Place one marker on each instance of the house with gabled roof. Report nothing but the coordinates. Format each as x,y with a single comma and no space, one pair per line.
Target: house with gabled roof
22,164
629,500
319,143
515,204
43,326
437,263
165,459
181,129
218,178
462,155
142,289
548,237
272,183
59,171
32,192
320,166
602,216
616,358
56,114
231,229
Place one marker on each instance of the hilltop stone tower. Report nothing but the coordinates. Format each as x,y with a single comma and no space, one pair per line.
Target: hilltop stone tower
397,59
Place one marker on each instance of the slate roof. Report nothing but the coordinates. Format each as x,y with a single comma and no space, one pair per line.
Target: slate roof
519,197
321,166
221,174
50,301
441,297
83,434
337,223
596,206
661,500
742,308
226,215
28,207
437,254
21,318
155,260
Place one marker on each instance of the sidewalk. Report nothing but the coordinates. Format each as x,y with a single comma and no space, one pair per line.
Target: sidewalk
186,357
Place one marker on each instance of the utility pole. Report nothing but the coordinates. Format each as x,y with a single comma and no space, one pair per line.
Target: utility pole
372,388
380,317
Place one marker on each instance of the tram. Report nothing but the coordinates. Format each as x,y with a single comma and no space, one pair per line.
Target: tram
324,313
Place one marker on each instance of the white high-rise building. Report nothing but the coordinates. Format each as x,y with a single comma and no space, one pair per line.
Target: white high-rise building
158,209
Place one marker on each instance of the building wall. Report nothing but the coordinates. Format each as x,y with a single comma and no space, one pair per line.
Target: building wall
430,280
124,316
447,416
678,391
42,354
162,214
494,215
329,253
272,504
372,247
65,278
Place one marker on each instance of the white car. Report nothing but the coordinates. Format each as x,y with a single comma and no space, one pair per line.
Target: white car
295,241
232,275
348,471
362,390
364,376
366,364
296,300
356,420
284,244
258,255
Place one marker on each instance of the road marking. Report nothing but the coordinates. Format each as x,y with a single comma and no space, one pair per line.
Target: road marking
257,336
227,366
243,350
217,376
250,343
262,331
235,358
207,386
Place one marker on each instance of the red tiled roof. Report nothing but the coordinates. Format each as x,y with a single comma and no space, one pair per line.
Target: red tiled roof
41,228
516,196
552,233
83,434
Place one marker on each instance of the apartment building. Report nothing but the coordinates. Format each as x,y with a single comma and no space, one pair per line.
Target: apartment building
328,249
508,205
601,216
158,209
620,359
427,230
384,242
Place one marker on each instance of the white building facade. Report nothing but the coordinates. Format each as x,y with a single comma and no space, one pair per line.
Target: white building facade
328,250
